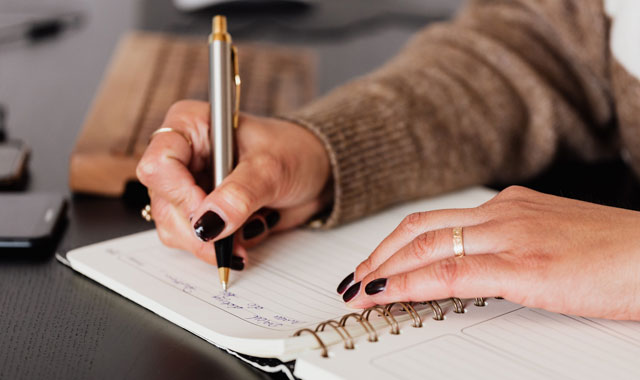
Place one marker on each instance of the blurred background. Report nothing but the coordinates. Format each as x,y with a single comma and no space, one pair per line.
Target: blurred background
47,86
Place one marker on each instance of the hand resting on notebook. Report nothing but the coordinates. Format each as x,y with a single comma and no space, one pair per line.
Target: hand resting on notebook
538,250
278,183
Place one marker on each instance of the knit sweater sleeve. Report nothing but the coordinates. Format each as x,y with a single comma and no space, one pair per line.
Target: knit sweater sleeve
494,95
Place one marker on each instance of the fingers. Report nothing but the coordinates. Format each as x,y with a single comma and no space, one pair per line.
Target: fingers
430,247
172,229
253,184
167,177
267,221
486,275
414,225
257,228
163,168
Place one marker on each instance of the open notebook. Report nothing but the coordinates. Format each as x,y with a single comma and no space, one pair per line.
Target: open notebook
289,285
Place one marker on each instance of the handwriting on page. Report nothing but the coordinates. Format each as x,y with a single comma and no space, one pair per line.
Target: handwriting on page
270,293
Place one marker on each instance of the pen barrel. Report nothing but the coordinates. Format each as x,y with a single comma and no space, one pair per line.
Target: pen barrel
220,95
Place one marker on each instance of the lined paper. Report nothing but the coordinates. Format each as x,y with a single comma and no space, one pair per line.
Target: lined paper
563,344
625,329
445,355
270,293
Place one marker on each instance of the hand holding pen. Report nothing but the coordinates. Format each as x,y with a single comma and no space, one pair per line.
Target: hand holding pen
275,186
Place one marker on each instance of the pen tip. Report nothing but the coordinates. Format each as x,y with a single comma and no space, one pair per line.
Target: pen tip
224,277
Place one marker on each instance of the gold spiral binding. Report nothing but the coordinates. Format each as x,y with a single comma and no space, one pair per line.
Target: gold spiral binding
348,340
438,315
325,352
373,336
417,321
391,321
385,312
458,306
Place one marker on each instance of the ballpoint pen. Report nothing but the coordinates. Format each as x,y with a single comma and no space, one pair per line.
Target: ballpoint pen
224,85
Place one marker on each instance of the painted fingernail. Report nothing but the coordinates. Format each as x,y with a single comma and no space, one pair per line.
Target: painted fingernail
345,283
375,286
209,226
272,218
352,292
252,229
237,263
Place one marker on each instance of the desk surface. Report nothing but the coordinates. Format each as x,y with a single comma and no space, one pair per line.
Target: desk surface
55,323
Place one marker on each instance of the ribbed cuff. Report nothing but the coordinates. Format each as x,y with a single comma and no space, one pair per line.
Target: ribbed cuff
373,158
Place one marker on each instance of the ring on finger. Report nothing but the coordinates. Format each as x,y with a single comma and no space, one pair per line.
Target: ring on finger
146,213
166,130
458,243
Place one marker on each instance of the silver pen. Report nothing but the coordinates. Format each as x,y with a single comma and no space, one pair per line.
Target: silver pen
224,98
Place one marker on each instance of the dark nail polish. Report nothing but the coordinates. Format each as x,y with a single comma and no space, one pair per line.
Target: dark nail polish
352,292
272,218
252,229
209,226
345,283
237,263
375,286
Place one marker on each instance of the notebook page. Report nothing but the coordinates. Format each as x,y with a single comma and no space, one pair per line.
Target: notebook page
288,284
444,355
563,344
501,340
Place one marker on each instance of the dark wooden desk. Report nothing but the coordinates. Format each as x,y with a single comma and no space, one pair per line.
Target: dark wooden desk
54,323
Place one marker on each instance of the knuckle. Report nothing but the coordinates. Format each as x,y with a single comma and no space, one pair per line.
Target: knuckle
267,163
423,245
178,198
181,105
513,192
241,197
447,272
364,268
403,284
412,223
271,170
146,170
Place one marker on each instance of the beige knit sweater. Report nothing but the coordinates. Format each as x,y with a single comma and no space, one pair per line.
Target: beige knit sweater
495,95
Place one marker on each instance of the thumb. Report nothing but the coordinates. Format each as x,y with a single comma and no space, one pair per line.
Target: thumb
251,185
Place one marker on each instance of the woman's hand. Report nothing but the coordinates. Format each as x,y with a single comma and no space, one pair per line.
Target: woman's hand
278,183
534,249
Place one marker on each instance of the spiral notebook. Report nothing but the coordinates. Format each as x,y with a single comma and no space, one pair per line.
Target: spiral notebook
284,305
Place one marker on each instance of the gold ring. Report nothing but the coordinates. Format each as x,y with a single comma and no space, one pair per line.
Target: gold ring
458,244
167,129
146,213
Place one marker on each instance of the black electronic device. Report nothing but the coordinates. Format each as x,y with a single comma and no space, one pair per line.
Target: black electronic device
3,131
30,221
13,163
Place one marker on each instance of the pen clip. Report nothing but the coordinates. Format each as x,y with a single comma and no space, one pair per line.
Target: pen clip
238,82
